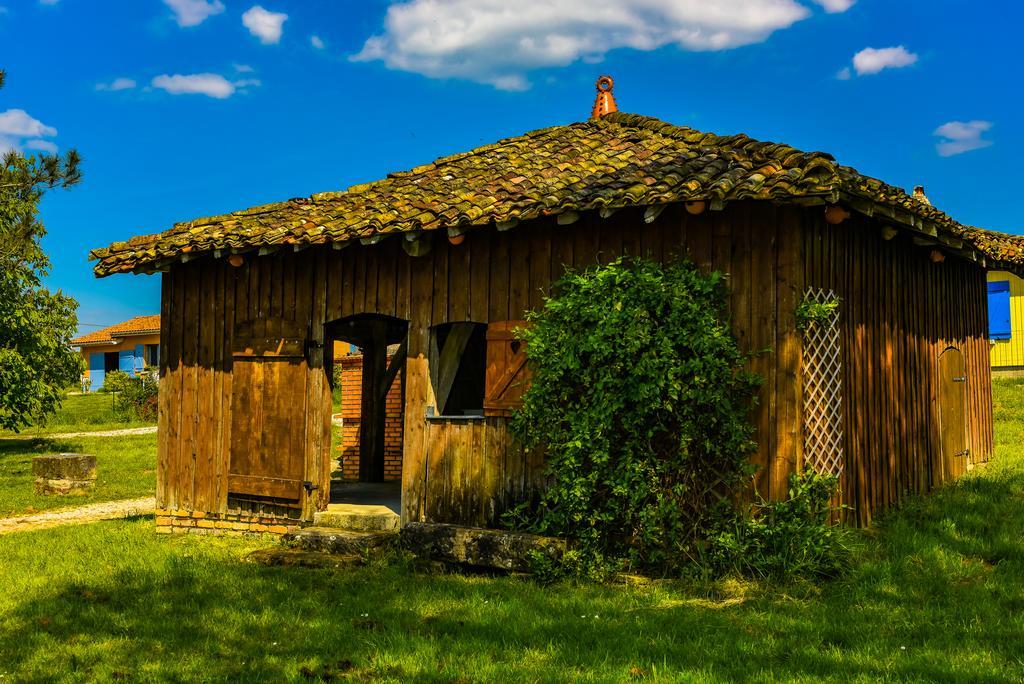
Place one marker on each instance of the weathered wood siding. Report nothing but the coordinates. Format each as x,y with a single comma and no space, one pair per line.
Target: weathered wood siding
459,471
202,301
899,311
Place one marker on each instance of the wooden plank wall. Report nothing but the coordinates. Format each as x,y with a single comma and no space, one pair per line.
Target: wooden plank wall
201,303
461,471
899,311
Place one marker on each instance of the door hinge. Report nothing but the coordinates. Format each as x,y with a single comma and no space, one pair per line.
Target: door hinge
310,487
965,452
960,378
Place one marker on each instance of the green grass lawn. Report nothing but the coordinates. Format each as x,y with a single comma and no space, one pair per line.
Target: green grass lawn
125,469
936,595
81,413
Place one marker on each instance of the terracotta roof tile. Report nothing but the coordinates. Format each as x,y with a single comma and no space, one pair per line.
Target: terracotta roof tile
617,160
140,325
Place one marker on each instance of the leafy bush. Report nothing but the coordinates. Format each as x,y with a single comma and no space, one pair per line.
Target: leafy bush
138,398
782,539
641,403
116,381
810,312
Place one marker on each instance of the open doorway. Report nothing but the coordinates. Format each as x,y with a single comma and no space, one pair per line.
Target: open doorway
368,376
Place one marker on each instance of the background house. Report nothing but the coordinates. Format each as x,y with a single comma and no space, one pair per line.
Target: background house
129,346
1006,322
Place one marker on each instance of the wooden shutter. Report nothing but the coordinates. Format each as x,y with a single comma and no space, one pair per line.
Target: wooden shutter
999,310
508,375
268,402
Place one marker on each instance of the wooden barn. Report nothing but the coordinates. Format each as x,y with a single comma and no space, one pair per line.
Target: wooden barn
441,263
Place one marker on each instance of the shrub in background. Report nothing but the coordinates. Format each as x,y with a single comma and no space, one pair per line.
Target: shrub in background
137,397
116,381
640,400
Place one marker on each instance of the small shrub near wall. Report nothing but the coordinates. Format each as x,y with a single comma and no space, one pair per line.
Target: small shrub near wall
779,540
115,381
137,398
640,401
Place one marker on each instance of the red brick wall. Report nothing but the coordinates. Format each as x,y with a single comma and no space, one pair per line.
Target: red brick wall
351,395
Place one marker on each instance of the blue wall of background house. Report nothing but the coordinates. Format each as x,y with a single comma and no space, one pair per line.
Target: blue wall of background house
128,360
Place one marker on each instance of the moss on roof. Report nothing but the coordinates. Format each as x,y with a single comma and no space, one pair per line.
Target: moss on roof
616,161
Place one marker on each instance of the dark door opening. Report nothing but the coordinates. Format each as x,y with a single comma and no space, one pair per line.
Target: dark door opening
111,362
380,346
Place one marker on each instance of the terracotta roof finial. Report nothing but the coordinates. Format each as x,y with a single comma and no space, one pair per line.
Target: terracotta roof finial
605,102
920,196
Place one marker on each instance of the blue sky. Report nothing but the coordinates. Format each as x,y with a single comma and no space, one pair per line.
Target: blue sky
186,108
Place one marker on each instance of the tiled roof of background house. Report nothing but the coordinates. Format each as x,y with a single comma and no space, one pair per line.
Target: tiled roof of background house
615,161
140,325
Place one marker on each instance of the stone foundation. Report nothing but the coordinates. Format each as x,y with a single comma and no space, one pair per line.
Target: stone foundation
223,524
478,547
64,474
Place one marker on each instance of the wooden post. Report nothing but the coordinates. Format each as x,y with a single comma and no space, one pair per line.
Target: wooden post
371,435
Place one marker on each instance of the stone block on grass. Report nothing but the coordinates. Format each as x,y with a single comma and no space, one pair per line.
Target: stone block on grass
64,474
479,547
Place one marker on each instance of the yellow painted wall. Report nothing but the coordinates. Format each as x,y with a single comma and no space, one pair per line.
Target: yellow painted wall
1008,353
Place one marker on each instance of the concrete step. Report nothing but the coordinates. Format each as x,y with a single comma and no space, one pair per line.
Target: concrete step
301,558
344,542
358,518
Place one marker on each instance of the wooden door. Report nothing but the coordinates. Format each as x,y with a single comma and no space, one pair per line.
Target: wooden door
953,412
268,404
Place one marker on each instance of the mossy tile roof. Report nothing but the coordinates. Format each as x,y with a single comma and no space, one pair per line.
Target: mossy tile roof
618,160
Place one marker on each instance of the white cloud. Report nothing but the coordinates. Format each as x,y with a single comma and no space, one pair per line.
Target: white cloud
17,122
844,74
19,130
497,42
873,60
961,136
243,68
211,85
117,84
836,6
264,24
317,42
41,145
194,12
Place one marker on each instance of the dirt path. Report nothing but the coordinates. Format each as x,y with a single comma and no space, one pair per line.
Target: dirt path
102,433
105,510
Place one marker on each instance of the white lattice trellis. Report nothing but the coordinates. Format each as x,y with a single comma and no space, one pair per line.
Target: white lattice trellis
823,390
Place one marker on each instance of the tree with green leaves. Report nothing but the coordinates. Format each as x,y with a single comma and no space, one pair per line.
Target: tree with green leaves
37,362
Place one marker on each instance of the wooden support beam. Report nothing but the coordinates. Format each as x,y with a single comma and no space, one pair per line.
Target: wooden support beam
397,362
372,411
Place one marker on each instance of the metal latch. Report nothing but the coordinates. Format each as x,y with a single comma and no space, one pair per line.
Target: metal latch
310,487
960,378
965,452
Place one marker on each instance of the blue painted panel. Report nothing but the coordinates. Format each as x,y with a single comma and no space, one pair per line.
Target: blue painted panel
126,361
140,357
96,370
999,310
